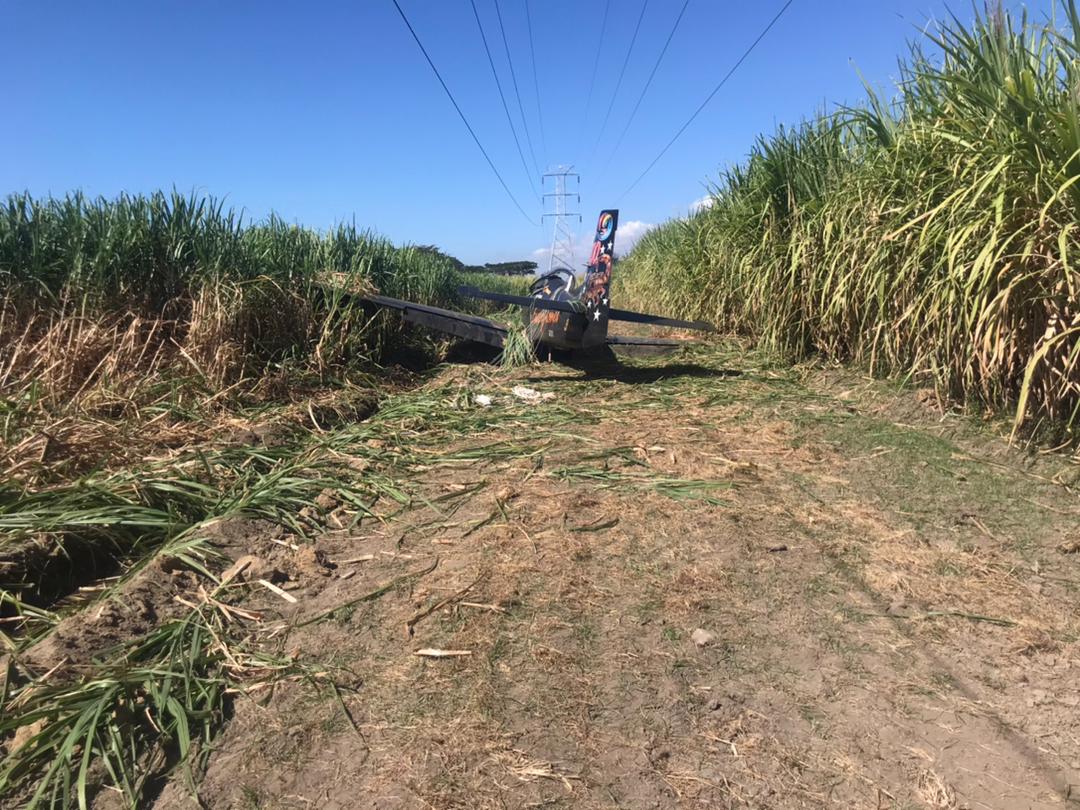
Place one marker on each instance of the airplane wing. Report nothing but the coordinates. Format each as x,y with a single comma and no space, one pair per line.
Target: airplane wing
520,300
626,340
459,324
644,346
658,320
482,330
563,306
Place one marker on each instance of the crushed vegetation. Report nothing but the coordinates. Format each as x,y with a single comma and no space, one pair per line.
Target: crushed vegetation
442,569
525,630
82,704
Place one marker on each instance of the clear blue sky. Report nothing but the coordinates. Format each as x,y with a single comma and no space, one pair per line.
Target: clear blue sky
326,111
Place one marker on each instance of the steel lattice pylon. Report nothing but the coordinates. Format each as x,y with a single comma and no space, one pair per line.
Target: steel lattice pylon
562,238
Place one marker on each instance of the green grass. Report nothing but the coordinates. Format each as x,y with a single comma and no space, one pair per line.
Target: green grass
173,311
158,700
518,349
931,237
146,252
269,292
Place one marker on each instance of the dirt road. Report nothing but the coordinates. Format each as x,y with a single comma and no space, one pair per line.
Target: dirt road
708,582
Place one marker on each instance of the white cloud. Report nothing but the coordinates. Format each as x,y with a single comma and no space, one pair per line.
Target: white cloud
699,205
629,233
626,237
580,252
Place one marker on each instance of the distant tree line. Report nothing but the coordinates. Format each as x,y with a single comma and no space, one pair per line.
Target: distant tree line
496,268
504,268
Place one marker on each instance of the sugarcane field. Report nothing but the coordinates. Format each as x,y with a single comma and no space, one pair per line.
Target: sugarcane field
757,485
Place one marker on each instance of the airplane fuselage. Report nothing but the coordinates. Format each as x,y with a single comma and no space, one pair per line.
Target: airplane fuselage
586,326
562,313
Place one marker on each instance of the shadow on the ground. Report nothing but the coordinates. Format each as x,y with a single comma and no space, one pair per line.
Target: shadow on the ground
471,351
635,375
603,365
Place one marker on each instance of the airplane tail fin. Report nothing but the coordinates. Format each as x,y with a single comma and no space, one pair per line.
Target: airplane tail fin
596,289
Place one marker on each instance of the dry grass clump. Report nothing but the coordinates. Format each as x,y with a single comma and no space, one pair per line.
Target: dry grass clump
935,791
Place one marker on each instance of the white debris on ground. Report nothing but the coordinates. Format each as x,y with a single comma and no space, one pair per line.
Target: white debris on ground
525,394
530,394
702,637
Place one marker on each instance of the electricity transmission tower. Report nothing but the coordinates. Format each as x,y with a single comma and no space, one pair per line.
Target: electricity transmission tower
562,238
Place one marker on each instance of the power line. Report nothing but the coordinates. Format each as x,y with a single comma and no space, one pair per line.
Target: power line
513,78
645,89
709,98
464,120
596,60
618,84
506,108
536,83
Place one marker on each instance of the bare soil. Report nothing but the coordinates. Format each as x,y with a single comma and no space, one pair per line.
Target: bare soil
887,598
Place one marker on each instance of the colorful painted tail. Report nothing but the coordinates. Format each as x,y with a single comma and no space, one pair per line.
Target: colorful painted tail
596,289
